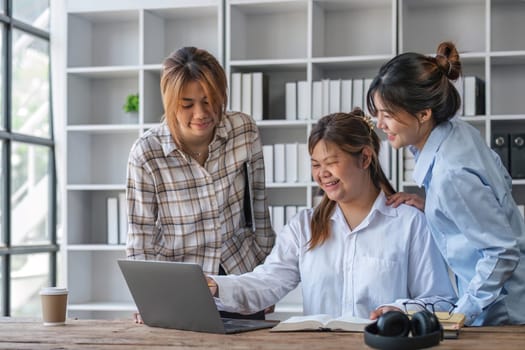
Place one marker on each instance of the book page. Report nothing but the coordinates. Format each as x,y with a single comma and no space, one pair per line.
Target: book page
302,323
321,319
349,323
322,322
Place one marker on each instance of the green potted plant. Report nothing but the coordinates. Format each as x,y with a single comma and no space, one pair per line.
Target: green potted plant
132,103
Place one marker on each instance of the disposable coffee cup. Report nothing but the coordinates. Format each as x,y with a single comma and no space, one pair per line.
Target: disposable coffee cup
54,305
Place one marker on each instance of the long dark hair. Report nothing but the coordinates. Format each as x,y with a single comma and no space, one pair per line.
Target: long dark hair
351,132
413,82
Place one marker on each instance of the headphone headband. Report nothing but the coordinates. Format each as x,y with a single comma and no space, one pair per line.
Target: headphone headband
377,341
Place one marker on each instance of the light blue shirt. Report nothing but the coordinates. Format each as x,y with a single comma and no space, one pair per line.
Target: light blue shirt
389,257
475,222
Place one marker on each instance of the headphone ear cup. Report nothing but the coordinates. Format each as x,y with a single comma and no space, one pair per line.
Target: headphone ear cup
393,324
423,323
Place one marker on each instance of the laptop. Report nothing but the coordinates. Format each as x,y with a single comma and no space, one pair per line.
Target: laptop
176,295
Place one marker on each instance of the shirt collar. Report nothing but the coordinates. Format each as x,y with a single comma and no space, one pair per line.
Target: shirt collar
168,144
425,158
379,206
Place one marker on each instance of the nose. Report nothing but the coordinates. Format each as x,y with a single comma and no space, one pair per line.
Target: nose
380,122
323,171
199,110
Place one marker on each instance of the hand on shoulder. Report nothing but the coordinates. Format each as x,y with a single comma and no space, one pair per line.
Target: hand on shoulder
412,199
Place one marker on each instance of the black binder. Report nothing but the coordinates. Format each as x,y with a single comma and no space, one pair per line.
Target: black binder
517,156
500,145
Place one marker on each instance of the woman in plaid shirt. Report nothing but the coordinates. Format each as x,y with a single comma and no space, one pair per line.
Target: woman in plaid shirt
195,183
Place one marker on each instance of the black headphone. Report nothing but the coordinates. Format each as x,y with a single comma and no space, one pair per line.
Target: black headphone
391,330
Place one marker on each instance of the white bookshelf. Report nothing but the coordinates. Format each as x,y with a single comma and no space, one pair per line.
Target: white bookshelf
115,48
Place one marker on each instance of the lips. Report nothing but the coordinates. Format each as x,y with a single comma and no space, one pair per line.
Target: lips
331,183
202,124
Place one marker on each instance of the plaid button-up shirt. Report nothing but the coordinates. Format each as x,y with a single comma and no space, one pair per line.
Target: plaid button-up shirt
179,210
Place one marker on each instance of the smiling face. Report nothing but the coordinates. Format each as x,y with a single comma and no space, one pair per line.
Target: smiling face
342,176
196,119
402,128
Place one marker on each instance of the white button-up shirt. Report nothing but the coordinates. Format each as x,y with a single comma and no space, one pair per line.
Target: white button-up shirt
389,257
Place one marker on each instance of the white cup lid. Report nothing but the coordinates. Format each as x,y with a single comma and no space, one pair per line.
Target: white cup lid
53,291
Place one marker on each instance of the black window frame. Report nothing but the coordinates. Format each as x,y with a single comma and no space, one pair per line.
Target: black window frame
7,137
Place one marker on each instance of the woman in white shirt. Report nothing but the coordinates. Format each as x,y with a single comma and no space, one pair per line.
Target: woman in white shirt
353,254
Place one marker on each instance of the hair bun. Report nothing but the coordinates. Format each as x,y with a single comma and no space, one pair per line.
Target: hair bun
358,112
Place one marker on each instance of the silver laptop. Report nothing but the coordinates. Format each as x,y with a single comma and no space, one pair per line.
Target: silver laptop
176,295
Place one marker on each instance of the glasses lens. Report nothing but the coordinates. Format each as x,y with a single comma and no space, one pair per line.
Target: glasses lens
444,309
414,307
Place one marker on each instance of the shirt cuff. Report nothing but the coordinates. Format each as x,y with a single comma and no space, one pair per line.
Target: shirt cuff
469,308
224,301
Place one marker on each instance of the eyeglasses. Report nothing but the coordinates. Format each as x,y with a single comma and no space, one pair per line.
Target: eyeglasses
443,309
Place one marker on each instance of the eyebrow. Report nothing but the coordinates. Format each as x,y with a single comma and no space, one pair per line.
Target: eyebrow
330,157
188,99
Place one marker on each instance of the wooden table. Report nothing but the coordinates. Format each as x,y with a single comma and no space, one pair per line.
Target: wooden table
20,333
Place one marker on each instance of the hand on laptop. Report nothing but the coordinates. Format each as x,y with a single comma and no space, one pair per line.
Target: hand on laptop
269,309
137,318
214,288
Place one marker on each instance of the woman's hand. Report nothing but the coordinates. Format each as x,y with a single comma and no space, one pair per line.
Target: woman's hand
407,198
137,318
214,288
374,315
269,309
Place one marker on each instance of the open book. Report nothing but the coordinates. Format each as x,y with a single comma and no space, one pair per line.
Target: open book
322,322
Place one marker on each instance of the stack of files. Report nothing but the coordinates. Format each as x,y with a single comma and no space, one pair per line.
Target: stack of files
286,163
338,95
249,94
296,100
408,165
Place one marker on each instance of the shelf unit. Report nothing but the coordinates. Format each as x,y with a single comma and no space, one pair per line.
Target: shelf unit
302,40
116,48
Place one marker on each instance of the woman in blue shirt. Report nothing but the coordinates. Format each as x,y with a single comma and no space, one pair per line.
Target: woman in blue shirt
469,206
352,254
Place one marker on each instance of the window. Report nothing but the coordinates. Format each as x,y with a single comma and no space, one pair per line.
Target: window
28,242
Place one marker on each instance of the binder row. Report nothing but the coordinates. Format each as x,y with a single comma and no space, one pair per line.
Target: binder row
286,163
281,214
249,94
408,164
117,220
290,162
511,150
339,95
328,96
472,92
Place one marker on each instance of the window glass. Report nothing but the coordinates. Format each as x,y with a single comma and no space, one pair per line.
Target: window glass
32,12
30,183
30,113
2,73
2,194
29,273
2,258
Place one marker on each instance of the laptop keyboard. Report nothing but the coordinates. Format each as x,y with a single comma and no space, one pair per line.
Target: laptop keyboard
244,324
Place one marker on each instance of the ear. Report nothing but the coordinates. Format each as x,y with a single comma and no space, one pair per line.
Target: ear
366,157
424,116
